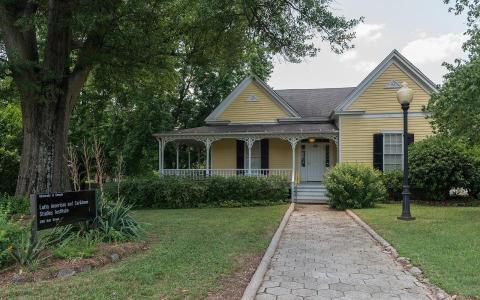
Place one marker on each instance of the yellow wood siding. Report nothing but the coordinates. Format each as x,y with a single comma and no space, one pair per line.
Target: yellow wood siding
280,154
264,109
379,99
357,134
224,154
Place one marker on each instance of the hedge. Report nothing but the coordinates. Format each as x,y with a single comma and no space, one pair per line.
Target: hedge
439,164
215,191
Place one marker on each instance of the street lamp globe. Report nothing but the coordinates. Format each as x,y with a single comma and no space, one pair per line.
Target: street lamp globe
405,94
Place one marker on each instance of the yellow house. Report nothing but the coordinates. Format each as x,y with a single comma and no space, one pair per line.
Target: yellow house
301,133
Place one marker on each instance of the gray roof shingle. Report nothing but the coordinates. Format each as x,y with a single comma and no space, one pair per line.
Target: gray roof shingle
257,128
315,102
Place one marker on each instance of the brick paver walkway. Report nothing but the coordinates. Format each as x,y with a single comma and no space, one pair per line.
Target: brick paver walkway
324,254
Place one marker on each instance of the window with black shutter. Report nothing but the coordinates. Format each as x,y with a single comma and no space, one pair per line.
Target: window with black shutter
264,154
240,156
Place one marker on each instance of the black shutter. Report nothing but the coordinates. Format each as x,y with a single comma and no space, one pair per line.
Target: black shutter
264,154
240,154
378,151
410,138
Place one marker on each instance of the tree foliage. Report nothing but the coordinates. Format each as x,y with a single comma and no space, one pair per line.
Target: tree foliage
52,48
456,107
10,145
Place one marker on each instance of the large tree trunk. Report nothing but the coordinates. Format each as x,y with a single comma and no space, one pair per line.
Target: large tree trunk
42,165
45,128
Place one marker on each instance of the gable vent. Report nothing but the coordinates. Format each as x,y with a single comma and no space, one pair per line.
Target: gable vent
393,84
252,98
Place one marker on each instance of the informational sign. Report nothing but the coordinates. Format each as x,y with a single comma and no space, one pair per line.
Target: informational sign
57,209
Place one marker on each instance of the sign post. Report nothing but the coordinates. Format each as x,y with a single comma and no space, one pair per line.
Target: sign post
58,209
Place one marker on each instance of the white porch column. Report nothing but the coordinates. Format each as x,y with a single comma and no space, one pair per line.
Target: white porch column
250,142
177,163
208,143
161,155
293,143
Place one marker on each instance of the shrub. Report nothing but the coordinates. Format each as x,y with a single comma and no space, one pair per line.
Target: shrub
215,191
15,205
78,245
354,186
115,223
27,252
393,181
475,179
439,164
10,234
9,166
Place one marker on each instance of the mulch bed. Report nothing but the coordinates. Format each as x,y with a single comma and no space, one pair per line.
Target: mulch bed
233,286
49,270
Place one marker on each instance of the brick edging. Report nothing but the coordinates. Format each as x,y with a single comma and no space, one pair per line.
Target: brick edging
437,292
257,278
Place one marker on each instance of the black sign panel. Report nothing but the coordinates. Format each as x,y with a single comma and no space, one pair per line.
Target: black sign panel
56,209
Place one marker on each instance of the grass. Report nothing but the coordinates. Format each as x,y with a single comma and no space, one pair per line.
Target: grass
443,241
191,250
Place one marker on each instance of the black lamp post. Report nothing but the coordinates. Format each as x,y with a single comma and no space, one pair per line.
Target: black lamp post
405,97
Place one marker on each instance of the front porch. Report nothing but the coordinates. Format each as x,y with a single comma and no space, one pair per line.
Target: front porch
301,156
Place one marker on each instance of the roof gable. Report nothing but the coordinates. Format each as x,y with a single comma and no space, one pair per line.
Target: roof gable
221,113
397,60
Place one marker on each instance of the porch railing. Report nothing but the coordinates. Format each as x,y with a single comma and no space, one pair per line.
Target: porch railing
200,173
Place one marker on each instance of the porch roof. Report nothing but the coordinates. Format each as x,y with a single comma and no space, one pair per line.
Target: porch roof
252,129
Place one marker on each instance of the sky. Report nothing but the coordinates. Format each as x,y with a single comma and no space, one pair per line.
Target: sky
422,30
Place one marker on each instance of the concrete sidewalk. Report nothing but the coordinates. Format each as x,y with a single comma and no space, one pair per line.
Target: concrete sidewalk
324,254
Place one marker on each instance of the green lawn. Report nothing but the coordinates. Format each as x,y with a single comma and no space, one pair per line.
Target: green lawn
192,248
443,241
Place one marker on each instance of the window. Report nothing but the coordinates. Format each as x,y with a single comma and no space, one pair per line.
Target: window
256,156
252,98
392,151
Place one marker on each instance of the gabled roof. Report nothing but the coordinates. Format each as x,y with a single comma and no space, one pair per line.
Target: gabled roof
315,103
403,64
240,88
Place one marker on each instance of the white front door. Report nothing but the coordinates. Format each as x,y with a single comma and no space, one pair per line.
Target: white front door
313,161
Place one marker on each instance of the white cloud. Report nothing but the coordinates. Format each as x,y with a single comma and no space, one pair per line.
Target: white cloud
365,66
434,49
370,32
348,55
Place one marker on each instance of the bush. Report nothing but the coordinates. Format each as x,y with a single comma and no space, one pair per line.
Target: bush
10,234
215,191
115,223
15,205
439,164
354,186
393,181
9,166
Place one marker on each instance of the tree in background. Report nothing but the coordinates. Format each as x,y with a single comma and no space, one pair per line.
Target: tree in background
52,47
456,107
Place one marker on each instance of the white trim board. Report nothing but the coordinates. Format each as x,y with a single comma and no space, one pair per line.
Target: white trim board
403,64
212,117
385,115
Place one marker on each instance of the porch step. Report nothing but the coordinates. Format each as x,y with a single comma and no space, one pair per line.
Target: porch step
311,193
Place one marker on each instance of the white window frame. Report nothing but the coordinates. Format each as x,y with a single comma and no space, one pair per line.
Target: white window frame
393,132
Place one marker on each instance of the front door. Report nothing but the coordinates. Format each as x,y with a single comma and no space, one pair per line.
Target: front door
313,161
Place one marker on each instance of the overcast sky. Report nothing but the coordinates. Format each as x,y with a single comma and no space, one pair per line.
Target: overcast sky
422,30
